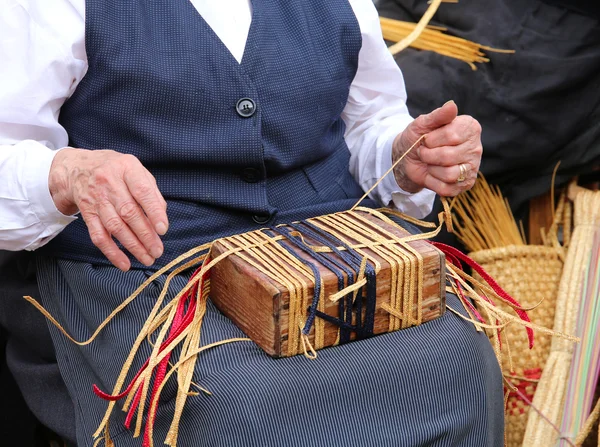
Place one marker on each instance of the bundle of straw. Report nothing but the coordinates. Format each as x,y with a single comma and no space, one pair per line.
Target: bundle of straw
585,366
431,38
485,220
531,274
552,387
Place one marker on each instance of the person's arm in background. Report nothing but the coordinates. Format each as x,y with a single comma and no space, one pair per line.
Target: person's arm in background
380,129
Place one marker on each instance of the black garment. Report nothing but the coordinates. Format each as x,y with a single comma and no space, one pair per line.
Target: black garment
590,8
31,359
537,106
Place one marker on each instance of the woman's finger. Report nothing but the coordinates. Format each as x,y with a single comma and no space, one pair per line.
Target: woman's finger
448,156
103,240
143,189
133,216
452,174
464,128
449,189
117,227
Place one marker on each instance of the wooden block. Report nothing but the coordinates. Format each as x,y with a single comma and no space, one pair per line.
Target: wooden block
259,305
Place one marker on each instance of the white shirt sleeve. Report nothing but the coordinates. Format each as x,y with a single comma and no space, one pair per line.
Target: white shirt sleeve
375,114
42,54
43,57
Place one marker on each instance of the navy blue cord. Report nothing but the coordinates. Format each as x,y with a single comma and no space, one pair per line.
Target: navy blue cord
345,304
352,258
317,292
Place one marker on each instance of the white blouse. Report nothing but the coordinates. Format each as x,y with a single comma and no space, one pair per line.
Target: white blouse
43,58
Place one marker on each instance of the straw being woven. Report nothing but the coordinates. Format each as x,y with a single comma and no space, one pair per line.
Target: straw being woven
176,324
194,295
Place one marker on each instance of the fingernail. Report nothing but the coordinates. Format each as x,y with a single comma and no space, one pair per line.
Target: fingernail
123,266
448,102
161,228
156,251
147,260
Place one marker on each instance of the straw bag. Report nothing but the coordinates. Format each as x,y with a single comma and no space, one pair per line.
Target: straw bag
531,274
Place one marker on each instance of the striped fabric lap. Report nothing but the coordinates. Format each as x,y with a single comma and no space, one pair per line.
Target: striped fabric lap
436,385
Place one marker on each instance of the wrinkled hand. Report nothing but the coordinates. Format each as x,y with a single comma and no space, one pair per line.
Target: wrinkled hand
117,197
450,141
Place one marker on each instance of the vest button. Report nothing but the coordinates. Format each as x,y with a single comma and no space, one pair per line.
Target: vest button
245,107
261,219
251,175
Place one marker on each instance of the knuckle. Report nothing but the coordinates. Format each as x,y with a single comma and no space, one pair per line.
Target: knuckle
145,236
447,190
454,137
129,159
448,176
129,211
421,123
114,225
98,238
427,158
144,190
85,203
101,176
479,150
133,246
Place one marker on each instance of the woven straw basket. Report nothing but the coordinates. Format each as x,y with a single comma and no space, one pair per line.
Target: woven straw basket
531,274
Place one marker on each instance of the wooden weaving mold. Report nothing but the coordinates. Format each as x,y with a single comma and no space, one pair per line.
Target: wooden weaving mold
268,290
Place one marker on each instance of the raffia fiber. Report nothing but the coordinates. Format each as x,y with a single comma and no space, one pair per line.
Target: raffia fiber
531,275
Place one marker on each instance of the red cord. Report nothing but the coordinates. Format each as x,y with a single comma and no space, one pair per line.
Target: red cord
183,318
455,254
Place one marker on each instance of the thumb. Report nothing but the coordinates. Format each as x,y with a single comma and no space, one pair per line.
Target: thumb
431,121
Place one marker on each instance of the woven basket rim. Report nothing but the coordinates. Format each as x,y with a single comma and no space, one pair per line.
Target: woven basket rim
516,251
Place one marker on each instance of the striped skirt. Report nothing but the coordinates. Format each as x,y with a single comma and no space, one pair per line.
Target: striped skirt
434,385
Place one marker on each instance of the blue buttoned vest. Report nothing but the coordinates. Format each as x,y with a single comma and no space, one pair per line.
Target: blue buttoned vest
233,147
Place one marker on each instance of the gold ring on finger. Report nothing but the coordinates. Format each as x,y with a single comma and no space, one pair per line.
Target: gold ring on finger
464,170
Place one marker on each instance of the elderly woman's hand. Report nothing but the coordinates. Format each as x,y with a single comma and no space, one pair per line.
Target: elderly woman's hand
446,160
117,198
